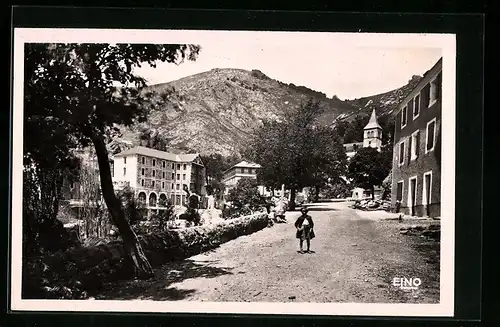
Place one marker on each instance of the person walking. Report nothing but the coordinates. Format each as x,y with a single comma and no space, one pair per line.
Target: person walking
305,232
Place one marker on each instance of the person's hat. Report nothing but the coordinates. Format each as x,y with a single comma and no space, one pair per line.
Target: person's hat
304,209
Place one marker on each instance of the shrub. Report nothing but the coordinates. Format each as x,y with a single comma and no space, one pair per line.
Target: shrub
246,194
76,273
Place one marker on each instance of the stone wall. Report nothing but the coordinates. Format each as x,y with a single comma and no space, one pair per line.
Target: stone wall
80,272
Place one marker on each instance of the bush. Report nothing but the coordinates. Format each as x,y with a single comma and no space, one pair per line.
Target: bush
246,194
77,273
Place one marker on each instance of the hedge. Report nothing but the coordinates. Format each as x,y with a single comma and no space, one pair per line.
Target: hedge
80,272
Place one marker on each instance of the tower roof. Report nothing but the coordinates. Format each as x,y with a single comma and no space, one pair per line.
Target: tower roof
373,123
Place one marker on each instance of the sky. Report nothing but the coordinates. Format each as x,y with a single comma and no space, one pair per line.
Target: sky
332,65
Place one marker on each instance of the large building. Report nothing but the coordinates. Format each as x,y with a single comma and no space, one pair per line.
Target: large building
243,169
157,175
372,137
416,167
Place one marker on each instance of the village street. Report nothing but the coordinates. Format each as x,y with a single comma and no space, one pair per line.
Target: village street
355,258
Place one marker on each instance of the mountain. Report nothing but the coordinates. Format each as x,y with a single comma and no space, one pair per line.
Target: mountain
383,103
217,110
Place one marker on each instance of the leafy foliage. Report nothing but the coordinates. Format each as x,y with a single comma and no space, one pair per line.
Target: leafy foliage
246,194
215,165
296,152
368,167
81,92
134,208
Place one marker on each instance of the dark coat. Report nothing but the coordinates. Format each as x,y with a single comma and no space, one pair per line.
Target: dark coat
298,224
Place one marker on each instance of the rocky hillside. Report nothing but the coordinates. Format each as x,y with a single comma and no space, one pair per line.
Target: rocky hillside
216,111
384,103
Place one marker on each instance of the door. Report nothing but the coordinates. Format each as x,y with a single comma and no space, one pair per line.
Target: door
399,196
399,192
427,193
413,196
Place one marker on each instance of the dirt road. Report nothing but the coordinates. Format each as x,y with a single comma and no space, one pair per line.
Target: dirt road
354,260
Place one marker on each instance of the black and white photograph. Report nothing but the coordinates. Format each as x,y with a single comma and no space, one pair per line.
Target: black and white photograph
211,171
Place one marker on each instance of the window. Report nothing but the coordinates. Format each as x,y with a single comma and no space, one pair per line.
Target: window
142,182
173,166
142,171
370,143
178,166
143,160
177,186
154,173
401,153
242,170
163,163
152,183
184,176
124,160
431,136
404,114
71,185
163,185
163,174
154,162
172,186
124,171
435,90
416,106
184,167
173,176
415,145
178,176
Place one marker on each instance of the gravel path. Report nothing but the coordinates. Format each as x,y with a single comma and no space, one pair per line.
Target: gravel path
354,260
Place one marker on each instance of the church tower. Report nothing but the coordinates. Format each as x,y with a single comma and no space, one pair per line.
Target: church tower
373,133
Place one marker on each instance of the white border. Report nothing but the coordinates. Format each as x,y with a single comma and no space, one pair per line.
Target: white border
447,42
433,120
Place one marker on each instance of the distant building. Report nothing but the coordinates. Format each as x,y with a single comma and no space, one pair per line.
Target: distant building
352,148
372,137
416,168
157,175
243,169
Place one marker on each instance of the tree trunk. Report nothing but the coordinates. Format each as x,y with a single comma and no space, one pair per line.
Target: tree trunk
141,265
316,194
373,192
292,199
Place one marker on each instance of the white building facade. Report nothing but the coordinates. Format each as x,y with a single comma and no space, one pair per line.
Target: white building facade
157,176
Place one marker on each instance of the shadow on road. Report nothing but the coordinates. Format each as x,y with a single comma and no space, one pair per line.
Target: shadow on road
158,288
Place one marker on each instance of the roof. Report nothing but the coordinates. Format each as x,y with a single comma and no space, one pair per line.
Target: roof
423,81
373,123
247,164
244,164
350,146
141,150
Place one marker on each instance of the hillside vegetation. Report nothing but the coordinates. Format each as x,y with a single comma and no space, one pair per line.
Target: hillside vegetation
217,111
